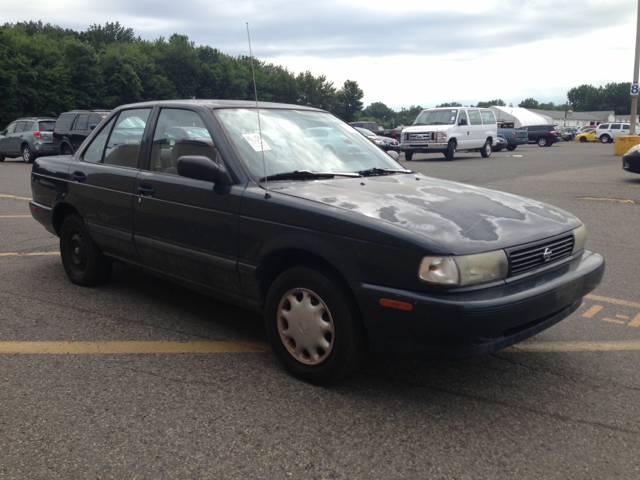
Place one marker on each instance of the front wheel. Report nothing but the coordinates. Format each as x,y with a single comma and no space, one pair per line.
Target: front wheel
583,139
314,325
408,156
83,261
511,148
542,142
451,150
605,138
66,150
1,157
486,150
27,155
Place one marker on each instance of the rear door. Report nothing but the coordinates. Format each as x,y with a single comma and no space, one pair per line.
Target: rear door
102,182
185,227
476,129
79,131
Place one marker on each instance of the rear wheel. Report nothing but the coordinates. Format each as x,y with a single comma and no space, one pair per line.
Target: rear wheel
66,150
486,150
605,138
27,154
583,139
451,150
542,142
408,156
511,148
1,157
83,261
314,326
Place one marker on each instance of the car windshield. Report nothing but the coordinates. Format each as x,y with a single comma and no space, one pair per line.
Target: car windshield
436,117
295,140
46,126
365,132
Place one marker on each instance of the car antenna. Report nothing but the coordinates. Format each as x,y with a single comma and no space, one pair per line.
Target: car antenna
255,91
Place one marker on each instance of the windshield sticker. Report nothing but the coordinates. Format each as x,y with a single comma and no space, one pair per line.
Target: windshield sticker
254,140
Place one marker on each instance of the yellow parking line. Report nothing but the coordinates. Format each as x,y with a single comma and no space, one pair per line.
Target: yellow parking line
32,254
575,346
615,301
57,348
15,216
609,199
13,196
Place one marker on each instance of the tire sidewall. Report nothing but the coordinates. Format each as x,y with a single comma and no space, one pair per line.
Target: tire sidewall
542,142
486,149
97,267
27,154
349,344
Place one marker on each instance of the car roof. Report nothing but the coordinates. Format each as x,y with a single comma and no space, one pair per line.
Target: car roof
221,104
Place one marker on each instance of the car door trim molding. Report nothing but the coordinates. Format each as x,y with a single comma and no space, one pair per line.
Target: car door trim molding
186,252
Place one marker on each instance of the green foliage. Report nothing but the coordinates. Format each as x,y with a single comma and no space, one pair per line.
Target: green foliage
46,70
498,102
451,104
529,103
613,96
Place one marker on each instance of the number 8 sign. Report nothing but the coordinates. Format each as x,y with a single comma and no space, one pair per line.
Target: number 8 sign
634,89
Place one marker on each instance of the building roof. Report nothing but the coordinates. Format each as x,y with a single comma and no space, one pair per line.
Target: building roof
570,115
521,117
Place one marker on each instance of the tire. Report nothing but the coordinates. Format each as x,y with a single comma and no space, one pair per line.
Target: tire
583,139
27,154
605,139
486,150
83,261
542,142
511,148
1,157
451,150
66,150
408,156
327,342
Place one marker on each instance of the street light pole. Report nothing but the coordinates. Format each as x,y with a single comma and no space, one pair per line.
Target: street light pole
634,99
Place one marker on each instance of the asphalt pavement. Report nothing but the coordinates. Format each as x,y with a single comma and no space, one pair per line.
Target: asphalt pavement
79,398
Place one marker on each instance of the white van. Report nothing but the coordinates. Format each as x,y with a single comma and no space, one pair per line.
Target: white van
450,129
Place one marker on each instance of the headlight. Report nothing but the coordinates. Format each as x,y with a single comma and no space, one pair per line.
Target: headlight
380,142
441,136
579,238
465,269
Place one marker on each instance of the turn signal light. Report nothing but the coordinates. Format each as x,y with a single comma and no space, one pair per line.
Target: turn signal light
385,302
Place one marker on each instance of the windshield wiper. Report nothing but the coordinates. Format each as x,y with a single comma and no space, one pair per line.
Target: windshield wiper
382,171
304,174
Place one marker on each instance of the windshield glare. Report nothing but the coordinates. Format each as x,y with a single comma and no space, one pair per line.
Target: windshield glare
300,140
436,117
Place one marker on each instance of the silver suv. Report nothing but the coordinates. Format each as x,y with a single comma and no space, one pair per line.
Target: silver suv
28,137
608,132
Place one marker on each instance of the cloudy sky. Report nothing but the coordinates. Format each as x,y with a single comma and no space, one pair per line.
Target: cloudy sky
401,53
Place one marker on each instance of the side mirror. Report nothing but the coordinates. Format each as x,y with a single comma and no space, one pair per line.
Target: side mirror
393,154
463,121
203,168
91,127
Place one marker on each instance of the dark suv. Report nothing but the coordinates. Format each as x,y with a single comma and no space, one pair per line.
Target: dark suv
29,137
73,127
543,135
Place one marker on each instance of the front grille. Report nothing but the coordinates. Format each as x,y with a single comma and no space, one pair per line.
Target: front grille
532,256
421,137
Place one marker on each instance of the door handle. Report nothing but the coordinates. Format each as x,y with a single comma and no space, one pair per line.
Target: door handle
79,177
146,190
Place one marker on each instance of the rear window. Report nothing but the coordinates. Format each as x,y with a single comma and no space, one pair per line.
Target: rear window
81,122
626,126
615,126
488,118
46,126
63,124
20,127
29,127
96,118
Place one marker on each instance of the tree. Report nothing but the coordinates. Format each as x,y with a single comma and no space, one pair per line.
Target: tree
452,104
491,103
529,103
379,111
584,98
349,100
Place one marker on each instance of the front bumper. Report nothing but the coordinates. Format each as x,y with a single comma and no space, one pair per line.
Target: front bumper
480,321
631,162
430,147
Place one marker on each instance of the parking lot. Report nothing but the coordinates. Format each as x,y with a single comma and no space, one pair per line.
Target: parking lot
140,378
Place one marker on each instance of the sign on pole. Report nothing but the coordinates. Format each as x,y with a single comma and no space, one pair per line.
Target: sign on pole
634,89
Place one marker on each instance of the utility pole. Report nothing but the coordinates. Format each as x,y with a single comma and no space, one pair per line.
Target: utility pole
634,99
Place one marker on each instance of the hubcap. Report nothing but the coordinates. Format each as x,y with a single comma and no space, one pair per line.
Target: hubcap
25,154
305,326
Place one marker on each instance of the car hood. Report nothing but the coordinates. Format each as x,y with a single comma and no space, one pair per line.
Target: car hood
462,218
429,128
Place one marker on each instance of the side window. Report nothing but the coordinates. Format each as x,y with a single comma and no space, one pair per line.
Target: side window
463,116
95,150
626,126
615,126
95,119
11,128
123,146
81,122
474,116
29,127
20,127
603,127
179,133
488,118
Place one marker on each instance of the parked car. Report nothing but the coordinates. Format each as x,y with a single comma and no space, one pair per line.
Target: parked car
608,132
631,160
448,130
384,143
586,128
543,135
341,254
500,144
373,126
73,127
514,136
29,137
587,136
568,133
